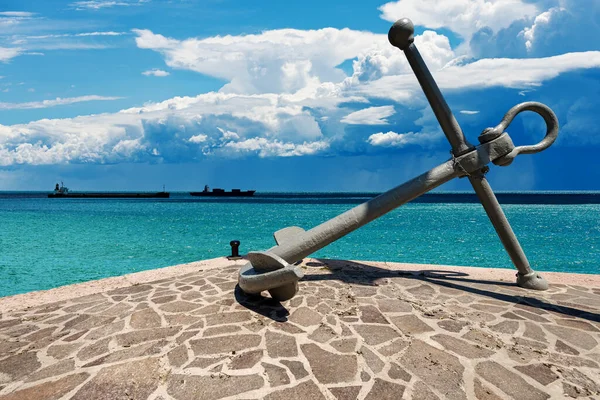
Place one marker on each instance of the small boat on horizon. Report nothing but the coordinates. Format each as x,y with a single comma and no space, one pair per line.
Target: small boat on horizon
61,191
223,193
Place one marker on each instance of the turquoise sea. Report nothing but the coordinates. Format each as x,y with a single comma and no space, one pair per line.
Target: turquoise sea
45,243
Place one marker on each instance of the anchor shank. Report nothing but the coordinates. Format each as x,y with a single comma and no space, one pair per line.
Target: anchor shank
526,276
320,236
442,112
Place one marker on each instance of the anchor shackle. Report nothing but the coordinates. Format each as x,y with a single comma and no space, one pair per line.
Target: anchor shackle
551,131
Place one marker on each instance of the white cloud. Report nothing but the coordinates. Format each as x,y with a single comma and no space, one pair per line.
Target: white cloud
284,60
53,103
22,14
99,4
542,19
469,112
6,53
156,72
182,128
393,139
198,138
274,148
82,34
464,17
485,73
369,116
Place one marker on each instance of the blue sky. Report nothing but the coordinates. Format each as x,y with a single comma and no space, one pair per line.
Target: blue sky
272,95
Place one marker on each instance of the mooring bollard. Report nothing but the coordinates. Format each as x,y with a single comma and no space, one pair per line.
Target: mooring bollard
235,250
273,269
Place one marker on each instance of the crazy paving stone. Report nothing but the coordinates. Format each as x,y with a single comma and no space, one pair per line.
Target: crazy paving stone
276,375
179,306
94,350
280,345
306,391
397,372
410,324
17,366
372,360
306,317
246,360
540,372
296,368
224,344
461,347
178,356
60,351
452,325
190,387
55,369
565,348
144,319
329,367
322,334
370,315
344,345
437,368
376,334
383,390
394,347
394,306
228,318
509,382
482,392
146,349
105,330
573,336
53,390
145,335
221,330
508,327
422,392
345,393
137,379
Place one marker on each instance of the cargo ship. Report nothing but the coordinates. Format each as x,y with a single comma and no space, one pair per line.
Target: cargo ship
223,193
63,192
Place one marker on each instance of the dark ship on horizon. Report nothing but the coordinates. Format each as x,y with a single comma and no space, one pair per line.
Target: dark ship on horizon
223,193
61,191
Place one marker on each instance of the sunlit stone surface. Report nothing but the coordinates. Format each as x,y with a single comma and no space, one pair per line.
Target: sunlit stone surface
356,330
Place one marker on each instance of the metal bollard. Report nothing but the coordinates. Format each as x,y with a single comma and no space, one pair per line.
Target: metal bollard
235,252
273,270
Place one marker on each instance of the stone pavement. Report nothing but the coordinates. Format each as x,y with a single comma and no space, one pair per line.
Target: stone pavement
356,330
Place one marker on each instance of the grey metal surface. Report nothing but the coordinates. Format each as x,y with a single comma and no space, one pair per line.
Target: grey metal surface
271,270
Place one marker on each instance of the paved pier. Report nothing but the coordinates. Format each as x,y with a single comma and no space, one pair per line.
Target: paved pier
356,330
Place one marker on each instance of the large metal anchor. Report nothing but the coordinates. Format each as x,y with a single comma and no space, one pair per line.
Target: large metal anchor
274,269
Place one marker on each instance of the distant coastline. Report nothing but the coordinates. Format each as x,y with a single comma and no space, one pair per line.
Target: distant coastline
528,197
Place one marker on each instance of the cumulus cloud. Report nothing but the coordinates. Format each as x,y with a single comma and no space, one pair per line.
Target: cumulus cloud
369,116
463,17
393,139
156,72
276,61
559,27
54,102
182,128
274,148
